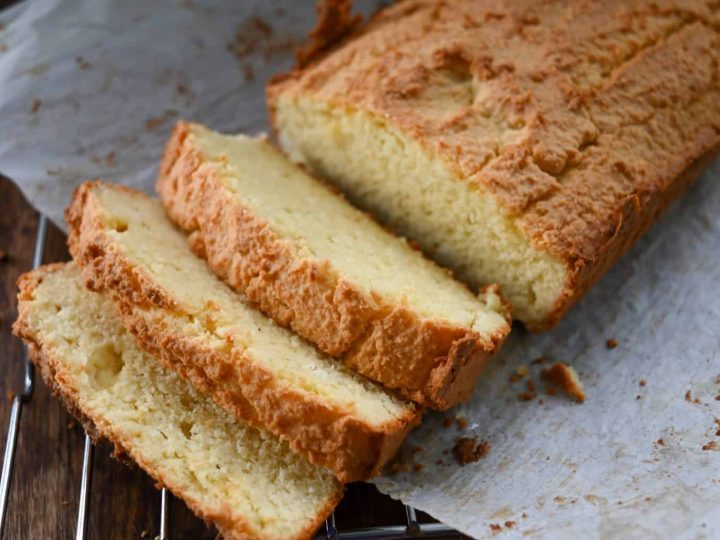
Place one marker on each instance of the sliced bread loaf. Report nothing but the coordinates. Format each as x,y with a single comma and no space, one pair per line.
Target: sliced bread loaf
183,314
527,143
247,481
316,264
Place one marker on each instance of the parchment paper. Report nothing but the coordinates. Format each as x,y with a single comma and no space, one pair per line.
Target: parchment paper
91,89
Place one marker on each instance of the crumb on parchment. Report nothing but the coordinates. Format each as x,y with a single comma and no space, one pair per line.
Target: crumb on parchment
566,378
468,450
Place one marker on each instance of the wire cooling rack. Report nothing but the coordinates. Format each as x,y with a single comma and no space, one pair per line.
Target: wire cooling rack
412,528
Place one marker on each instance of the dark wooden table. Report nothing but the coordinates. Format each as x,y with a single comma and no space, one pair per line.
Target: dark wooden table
45,487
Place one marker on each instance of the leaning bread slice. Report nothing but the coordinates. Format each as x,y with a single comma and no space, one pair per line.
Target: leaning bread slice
247,481
183,314
313,262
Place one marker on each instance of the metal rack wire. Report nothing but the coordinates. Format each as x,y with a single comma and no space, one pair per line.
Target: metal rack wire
410,529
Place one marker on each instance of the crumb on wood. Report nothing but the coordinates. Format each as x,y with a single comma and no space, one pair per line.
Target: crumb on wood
642,382
566,378
468,450
35,107
65,502
611,343
461,422
144,534
10,395
3,255
71,425
526,396
710,445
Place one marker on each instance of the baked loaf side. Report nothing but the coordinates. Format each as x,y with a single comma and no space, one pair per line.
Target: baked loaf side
316,264
247,481
524,143
181,313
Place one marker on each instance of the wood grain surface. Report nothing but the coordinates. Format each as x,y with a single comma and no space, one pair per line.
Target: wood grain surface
45,484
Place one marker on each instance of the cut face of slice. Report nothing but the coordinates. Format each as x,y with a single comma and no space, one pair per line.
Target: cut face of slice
246,480
195,324
313,262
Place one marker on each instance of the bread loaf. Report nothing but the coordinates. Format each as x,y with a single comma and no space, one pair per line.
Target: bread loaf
528,143
314,263
184,315
247,481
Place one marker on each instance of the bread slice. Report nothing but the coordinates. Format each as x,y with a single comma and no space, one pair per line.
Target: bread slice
184,315
316,264
522,143
245,480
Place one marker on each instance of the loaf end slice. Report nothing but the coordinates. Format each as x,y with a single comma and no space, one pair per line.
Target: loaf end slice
523,143
314,263
194,323
246,481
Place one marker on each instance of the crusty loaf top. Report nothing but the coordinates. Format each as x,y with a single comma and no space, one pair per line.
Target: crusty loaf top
574,114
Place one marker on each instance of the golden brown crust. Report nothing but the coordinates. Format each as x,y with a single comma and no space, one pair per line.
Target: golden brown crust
580,117
326,434
433,363
61,383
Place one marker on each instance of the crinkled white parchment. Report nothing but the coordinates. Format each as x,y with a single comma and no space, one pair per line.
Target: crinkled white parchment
91,89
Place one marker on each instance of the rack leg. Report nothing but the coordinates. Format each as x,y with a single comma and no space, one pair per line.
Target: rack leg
85,484
164,521
17,404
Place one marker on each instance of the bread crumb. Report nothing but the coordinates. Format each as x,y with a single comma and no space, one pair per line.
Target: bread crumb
541,401
447,422
71,425
10,395
688,396
509,524
530,386
157,121
439,462
566,378
717,433
525,396
539,360
660,442
35,107
642,382
711,445
551,391
519,373
611,343
495,527
417,449
3,255
82,63
524,515
144,534
468,450
461,423
717,398
417,467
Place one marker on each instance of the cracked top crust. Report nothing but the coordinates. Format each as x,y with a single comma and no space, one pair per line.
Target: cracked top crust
575,115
